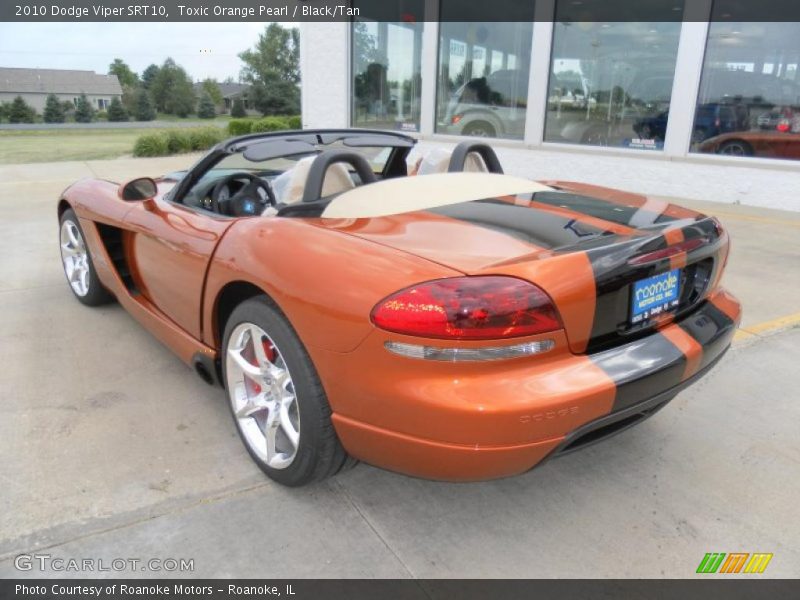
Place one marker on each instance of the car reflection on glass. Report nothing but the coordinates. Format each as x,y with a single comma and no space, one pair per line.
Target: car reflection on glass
491,106
781,142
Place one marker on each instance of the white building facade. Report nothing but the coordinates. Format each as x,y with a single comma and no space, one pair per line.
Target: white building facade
706,107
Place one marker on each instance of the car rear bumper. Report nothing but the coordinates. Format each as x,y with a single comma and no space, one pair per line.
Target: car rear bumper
450,422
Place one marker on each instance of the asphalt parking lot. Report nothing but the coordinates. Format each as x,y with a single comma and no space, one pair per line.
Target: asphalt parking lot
113,448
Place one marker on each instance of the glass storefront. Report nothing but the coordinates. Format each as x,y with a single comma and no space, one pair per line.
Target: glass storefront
611,82
386,71
482,85
749,99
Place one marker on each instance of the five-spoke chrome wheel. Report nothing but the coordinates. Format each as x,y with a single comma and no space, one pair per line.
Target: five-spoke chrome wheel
75,258
262,395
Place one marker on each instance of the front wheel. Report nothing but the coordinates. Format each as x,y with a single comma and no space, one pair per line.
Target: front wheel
77,263
276,398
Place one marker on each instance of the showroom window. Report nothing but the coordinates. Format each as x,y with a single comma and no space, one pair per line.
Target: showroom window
386,69
749,100
611,81
482,87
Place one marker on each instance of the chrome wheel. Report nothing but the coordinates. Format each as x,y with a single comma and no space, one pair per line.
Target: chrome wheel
262,395
735,149
75,258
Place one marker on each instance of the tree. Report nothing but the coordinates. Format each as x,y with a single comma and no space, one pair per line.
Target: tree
4,108
276,97
206,109
211,87
276,52
20,111
53,110
84,112
117,112
172,90
123,72
144,107
148,75
272,67
237,110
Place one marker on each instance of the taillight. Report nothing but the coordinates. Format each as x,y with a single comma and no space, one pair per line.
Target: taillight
468,308
455,119
784,126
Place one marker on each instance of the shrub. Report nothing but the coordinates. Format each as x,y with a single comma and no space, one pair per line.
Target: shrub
53,110
178,141
84,112
237,110
202,138
205,108
151,144
270,124
20,111
239,126
144,108
294,122
116,111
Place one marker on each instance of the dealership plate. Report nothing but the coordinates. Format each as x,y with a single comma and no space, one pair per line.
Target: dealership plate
655,295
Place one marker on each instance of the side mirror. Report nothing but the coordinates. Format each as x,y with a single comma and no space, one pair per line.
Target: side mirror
143,188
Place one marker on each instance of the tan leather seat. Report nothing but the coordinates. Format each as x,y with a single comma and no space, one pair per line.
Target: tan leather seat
289,186
438,161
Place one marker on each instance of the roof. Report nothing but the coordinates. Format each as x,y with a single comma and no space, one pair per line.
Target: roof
228,90
57,81
423,192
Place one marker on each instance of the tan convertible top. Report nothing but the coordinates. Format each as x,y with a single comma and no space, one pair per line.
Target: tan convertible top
410,194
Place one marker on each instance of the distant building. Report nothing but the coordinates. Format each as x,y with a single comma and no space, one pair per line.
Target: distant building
230,92
34,85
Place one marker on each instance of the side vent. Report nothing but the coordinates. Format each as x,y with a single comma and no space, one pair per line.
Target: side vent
112,240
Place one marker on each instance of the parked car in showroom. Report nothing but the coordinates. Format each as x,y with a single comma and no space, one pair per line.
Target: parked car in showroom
457,325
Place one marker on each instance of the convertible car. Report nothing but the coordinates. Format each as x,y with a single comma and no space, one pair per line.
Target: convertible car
446,321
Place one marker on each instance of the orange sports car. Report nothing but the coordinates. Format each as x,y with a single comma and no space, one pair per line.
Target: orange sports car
457,324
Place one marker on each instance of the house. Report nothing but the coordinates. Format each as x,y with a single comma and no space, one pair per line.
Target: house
230,92
34,85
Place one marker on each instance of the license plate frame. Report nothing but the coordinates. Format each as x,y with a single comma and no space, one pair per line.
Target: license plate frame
653,296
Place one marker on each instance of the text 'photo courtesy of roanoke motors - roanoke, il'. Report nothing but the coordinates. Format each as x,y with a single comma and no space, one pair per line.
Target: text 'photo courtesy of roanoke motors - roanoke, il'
403,299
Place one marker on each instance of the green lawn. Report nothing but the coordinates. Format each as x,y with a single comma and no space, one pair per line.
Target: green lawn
50,145
66,144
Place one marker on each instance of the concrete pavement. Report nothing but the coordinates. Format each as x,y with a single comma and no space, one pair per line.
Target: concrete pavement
113,448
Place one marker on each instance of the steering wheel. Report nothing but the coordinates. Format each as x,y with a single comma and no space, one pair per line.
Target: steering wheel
244,203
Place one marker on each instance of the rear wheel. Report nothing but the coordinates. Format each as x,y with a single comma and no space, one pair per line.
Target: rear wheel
480,129
736,148
276,398
77,263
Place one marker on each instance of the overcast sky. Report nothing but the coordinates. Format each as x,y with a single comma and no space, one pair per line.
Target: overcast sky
203,49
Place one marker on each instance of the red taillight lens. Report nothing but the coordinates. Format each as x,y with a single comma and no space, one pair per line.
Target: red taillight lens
784,126
468,308
456,119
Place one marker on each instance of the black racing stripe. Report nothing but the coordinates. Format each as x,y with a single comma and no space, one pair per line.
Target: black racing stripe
621,214
711,328
534,226
641,369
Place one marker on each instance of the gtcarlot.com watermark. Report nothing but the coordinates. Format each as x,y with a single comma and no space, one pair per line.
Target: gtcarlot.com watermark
59,564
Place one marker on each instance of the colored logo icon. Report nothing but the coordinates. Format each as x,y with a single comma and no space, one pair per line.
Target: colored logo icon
734,562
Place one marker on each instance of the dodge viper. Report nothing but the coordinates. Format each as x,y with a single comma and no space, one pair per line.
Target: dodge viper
447,321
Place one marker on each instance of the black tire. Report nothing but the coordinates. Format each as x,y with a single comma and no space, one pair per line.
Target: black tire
319,453
96,294
735,148
480,129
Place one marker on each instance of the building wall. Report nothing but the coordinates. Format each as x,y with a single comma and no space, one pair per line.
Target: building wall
673,171
37,101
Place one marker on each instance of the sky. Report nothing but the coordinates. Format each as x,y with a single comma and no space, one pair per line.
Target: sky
203,49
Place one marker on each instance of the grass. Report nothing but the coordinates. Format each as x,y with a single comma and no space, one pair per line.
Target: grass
66,144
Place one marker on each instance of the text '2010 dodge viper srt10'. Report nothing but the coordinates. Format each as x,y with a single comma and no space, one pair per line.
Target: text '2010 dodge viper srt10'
450,322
